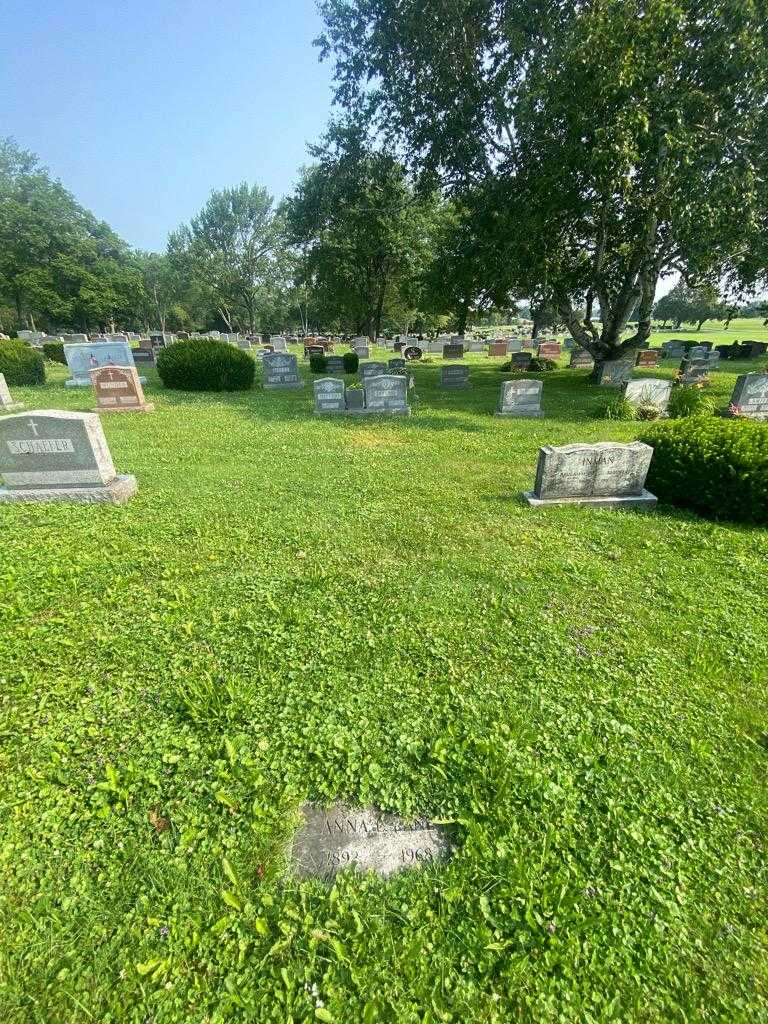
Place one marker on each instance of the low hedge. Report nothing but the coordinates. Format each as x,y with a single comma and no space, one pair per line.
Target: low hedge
54,350
719,467
351,362
205,365
318,364
20,363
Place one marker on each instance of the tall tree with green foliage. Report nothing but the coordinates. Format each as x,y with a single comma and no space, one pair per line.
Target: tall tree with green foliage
616,139
684,304
364,233
235,251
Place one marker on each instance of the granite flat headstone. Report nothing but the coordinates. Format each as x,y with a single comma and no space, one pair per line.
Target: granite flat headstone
605,474
454,377
118,389
281,370
750,396
453,350
365,840
59,456
520,398
7,403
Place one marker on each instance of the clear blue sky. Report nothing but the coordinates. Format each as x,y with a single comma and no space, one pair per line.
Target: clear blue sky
142,108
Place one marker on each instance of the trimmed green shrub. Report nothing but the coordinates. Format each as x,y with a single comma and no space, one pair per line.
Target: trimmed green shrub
688,400
205,365
318,364
540,365
351,362
54,350
20,363
719,467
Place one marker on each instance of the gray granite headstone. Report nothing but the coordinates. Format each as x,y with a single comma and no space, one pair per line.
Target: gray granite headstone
281,370
581,360
520,398
514,345
328,841
59,456
606,474
279,344
366,370
750,396
335,364
616,372
453,350
387,394
81,359
396,364
693,370
454,377
329,395
521,360
7,403
649,391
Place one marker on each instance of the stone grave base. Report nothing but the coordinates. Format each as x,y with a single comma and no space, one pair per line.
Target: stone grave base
363,412
146,407
454,387
537,415
13,407
120,490
643,500
283,387
75,383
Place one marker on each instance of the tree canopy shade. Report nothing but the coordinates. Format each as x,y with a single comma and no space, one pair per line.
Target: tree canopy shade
613,139
364,232
235,252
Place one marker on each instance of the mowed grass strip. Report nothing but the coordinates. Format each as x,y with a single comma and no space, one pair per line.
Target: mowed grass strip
297,607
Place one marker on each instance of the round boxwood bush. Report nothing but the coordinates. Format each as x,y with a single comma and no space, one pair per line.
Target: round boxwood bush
318,364
20,363
54,350
351,362
719,467
205,365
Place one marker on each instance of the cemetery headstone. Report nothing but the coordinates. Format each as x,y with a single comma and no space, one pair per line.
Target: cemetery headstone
118,389
693,371
521,360
363,839
7,403
329,395
606,474
648,357
374,369
363,351
59,456
281,370
581,360
244,344
514,345
615,372
387,394
279,344
335,364
81,359
520,398
549,350
750,396
454,378
649,391
497,349
453,350
396,364
413,352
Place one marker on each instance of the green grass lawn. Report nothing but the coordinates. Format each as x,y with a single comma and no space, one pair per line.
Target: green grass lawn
297,607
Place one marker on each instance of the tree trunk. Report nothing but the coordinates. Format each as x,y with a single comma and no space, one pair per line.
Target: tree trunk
700,323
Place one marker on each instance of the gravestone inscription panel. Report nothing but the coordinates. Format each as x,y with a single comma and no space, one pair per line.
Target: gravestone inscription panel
521,360
453,350
281,370
497,349
605,474
335,364
549,350
330,395
521,398
454,377
118,389
614,373
387,394
364,840
649,357
58,456
366,370
581,360
750,396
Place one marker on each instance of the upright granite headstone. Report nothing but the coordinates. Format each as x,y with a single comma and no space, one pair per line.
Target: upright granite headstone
649,391
335,364
59,456
454,377
366,370
81,359
363,351
453,350
387,394
281,370
693,371
279,344
497,349
608,474
648,357
329,395
750,396
118,389
395,365
365,840
520,398
616,372
549,350
7,403
514,345
581,360
521,360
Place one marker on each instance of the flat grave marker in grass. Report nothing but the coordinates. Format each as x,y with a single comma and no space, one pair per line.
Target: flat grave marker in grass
750,396
118,389
520,398
59,456
7,403
365,839
605,474
281,370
